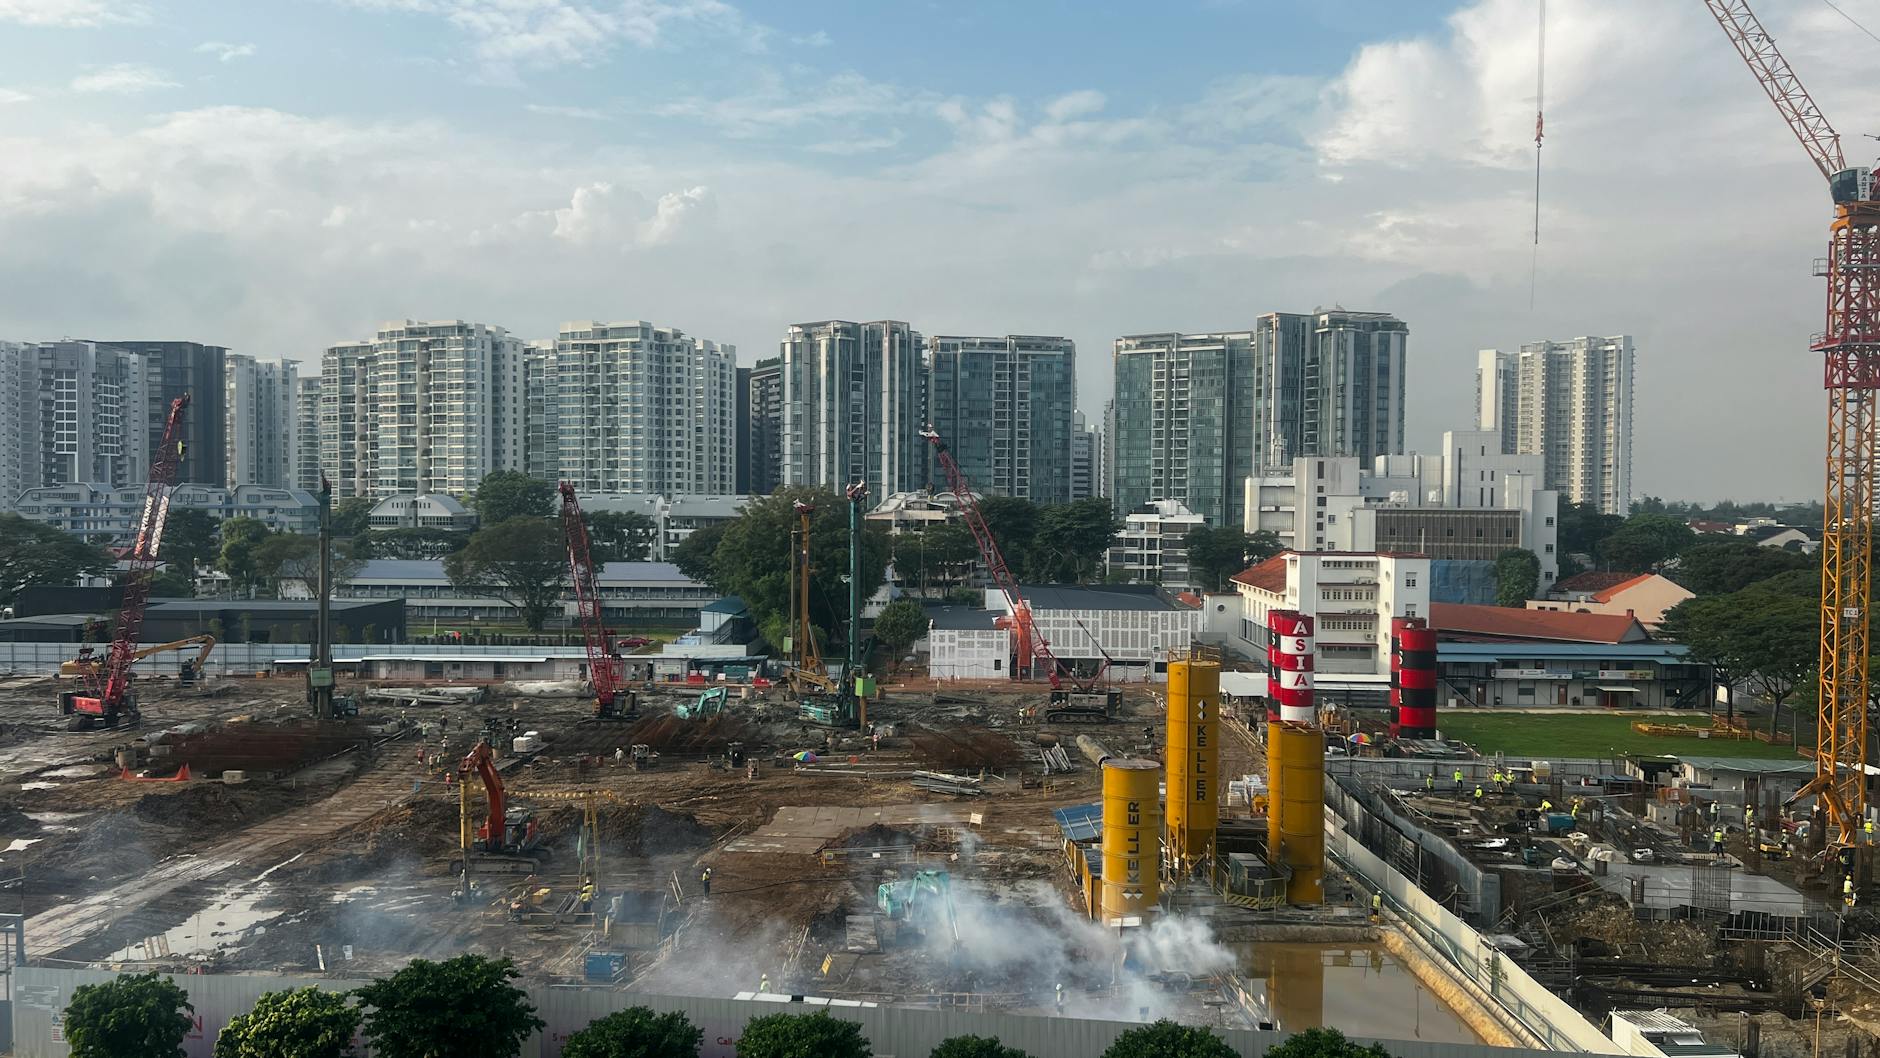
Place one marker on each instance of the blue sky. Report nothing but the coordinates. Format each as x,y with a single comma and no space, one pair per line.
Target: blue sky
279,175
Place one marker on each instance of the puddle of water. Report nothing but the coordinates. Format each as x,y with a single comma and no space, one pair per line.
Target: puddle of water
77,771
233,914
39,786
1360,990
53,819
21,843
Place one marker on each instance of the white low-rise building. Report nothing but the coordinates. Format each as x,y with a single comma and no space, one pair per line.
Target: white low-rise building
674,518
429,511
1149,548
93,510
632,593
1125,631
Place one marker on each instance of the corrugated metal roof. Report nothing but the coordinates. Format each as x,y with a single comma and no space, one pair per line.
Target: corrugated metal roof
959,618
1106,597
1080,822
419,570
1751,765
1673,652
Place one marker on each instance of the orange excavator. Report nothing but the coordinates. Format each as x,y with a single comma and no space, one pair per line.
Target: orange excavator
508,831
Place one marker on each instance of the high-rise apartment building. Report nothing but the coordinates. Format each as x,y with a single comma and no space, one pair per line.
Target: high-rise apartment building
762,422
1184,422
307,435
1005,407
644,409
259,402
176,368
1196,414
348,417
1086,452
854,401
445,406
1106,451
1328,384
16,458
541,457
1571,403
86,414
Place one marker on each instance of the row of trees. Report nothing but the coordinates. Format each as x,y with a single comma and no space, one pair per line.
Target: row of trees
469,1007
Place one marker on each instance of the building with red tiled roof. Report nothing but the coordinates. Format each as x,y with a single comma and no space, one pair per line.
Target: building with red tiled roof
1645,596
1502,624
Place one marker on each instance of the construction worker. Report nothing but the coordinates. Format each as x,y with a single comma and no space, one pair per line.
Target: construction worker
1478,793
1847,892
1429,782
1458,780
620,754
1716,840
1377,904
1060,997
1546,805
763,983
1576,805
1749,819
705,880
1867,829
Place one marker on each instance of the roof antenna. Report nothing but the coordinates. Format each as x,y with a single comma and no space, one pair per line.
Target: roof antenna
1540,88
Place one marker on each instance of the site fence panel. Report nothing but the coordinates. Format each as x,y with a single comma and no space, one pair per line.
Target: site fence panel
895,1032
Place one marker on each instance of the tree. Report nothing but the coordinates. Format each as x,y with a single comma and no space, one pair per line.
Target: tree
752,560
521,561
241,543
35,553
1720,565
1014,525
131,1016
461,1008
510,494
1646,542
352,516
1214,555
636,1032
1166,1039
620,536
1583,527
1517,577
696,555
1070,541
289,558
189,541
1325,1043
295,1023
1762,639
412,542
170,584
975,1047
942,553
900,624
802,1036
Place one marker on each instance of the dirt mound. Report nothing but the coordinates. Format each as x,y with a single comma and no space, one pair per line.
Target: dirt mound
667,733
14,824
876,836
649,830
195,804
417,828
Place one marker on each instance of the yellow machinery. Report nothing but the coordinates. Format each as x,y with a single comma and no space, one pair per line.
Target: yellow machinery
589,845
1295,812
1132,830
85,663
1194,757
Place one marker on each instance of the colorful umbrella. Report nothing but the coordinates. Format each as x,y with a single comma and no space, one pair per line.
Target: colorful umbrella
806,757
1360,738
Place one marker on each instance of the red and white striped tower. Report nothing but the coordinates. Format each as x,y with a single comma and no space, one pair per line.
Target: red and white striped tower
1289,678
1413,677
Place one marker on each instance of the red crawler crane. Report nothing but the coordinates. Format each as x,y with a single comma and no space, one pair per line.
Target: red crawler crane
605,669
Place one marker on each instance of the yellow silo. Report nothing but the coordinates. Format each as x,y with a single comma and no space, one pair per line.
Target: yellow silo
1295,811
1132,828
1193,753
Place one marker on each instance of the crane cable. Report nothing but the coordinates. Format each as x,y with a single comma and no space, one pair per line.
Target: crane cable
1851,19
1540,88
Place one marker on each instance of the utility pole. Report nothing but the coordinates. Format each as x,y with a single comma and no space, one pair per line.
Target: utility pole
320,672
858,495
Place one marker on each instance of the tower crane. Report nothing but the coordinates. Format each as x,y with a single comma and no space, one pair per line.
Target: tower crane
1084,701
110,698
1850,348
611,699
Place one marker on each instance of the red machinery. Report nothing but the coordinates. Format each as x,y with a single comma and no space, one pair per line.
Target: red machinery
110,684
504,831
1086,702
611,700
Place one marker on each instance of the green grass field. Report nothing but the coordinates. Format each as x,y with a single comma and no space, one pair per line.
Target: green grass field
1593,735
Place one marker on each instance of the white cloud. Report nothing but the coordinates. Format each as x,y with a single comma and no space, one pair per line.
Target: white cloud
818,39
578,113
776,103
533,33
676,211
1075,105
73,13
224,51
14,95
125,78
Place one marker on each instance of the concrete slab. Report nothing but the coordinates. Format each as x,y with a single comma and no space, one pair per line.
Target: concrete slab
1671,885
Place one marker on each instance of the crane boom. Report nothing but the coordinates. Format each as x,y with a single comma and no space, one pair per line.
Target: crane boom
110,682
1850,347
1032,645
604,667
1785,90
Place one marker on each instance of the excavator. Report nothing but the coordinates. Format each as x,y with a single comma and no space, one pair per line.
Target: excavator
508,831
86,665
919,901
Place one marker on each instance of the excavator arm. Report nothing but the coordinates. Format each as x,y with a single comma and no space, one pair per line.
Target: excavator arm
87,664
482,761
